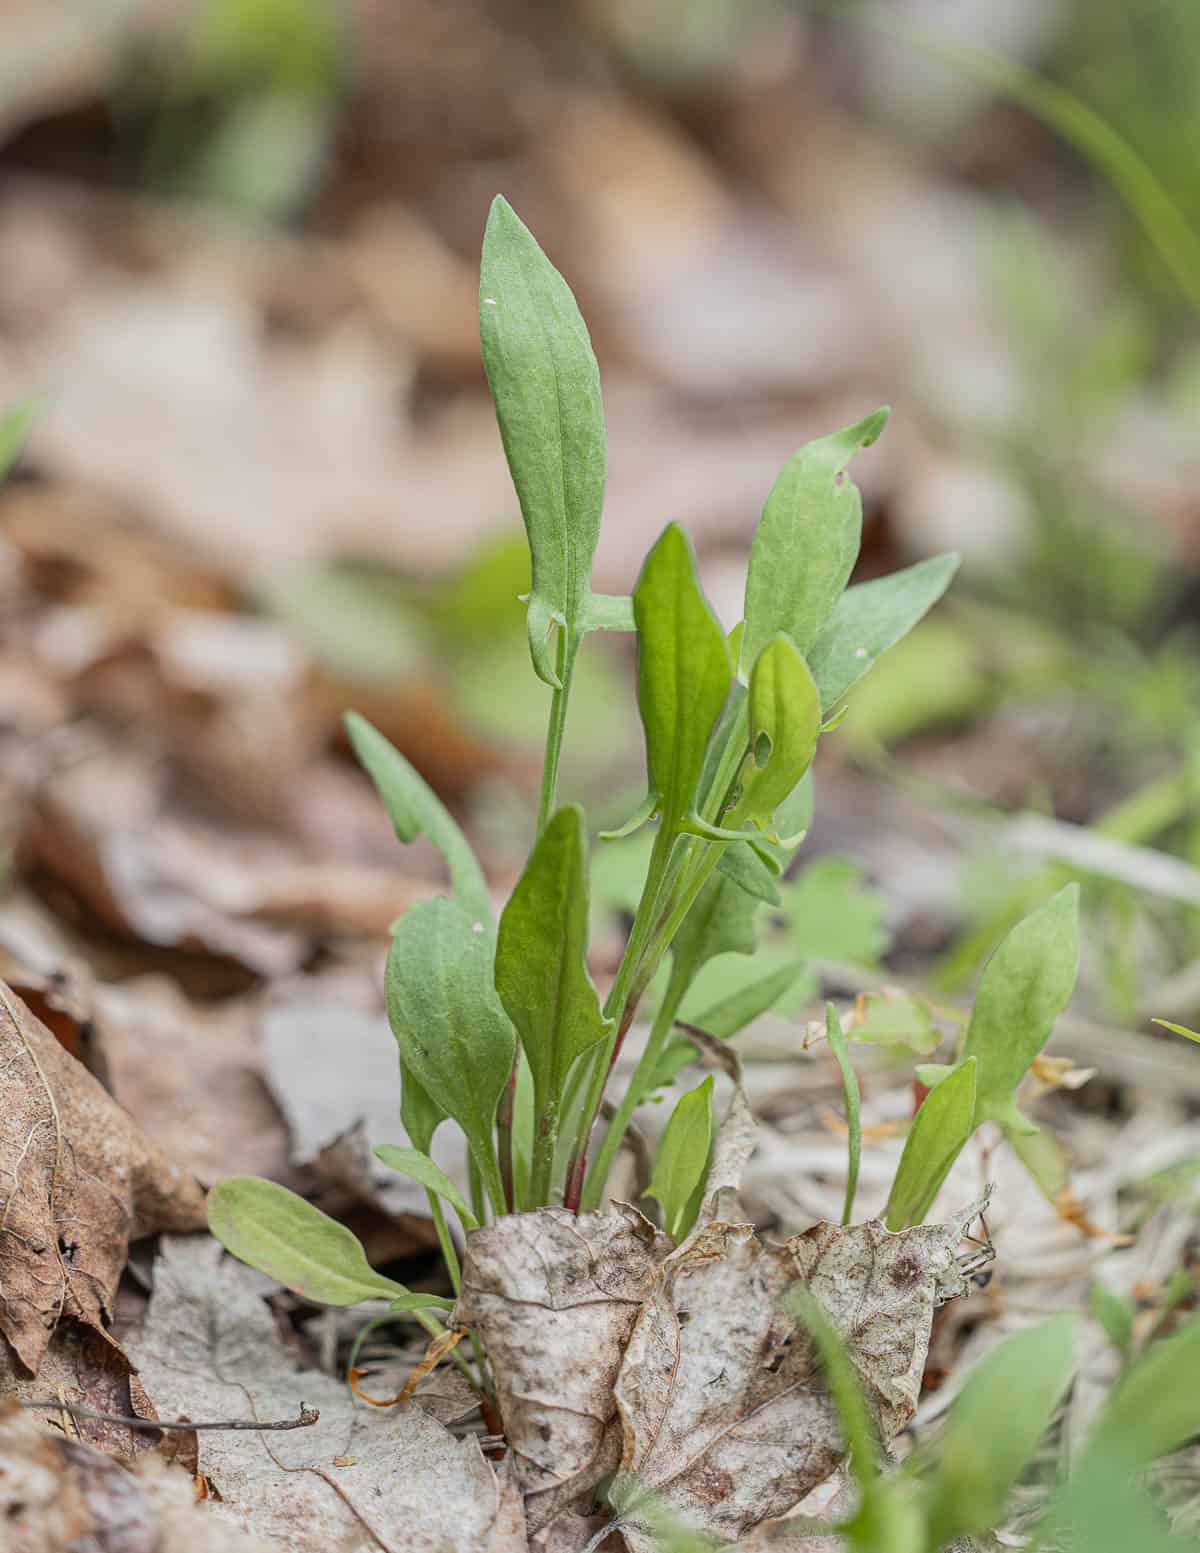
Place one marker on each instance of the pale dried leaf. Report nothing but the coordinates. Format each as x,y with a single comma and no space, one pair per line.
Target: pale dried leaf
209,1347
56,1493
554,1298
726,1417
78,1182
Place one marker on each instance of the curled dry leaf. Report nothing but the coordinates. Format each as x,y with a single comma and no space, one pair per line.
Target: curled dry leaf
725,1413
554,1298
78,1182
356,1480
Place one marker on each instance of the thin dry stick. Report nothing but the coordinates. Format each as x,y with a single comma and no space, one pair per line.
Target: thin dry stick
307,1417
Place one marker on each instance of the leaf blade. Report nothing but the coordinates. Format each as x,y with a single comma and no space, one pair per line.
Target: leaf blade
871,617
683,672
681,1162
270,1228
546,389
449,1024
415,810
542,976
807,541
940,1129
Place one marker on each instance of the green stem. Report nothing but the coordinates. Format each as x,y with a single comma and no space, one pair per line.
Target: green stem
616,1006
494,1183
449,1254
660,1031
545,1144
475,1189
568,651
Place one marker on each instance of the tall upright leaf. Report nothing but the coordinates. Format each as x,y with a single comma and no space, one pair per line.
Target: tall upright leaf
681,1163
871,617
940,1129
415,810
683,674
541,969
546,388
1025,986
807,541
450,1026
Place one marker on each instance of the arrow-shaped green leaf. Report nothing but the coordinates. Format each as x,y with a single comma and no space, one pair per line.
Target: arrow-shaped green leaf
546,388
940,1129
542,975
807,541
683,675
450,1026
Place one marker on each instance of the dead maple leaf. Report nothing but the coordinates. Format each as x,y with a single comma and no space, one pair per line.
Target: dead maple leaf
726,1418
357,1480
554,1298
78,1182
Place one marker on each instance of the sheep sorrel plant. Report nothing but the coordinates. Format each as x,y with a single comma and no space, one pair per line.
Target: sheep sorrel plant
606,1341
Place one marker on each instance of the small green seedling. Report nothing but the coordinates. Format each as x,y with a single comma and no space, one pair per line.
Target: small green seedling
499,1028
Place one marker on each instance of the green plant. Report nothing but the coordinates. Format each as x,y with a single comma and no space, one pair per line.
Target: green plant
959,1482
499,1026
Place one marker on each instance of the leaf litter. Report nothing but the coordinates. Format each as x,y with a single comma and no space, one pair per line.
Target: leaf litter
360,1479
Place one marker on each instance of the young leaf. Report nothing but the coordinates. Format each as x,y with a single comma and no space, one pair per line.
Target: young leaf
940,1129
785,724
419,1167
415,810
546,388
285,1237
994,1428
1025,986
807,541
681,1164
837,1045
683,673
450,1026
541,967
871,617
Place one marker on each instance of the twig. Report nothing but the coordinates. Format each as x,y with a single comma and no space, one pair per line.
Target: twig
308,1416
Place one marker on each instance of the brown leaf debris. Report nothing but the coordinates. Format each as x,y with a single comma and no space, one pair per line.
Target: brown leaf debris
554,1299
78,1182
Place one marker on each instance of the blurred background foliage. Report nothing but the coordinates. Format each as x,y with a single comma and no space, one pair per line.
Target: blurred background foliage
771,209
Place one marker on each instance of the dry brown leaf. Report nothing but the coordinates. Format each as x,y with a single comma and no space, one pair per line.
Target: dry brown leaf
87,1368
56,1493
79,1182
725,1414
210,1348
190,1075
554,1298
